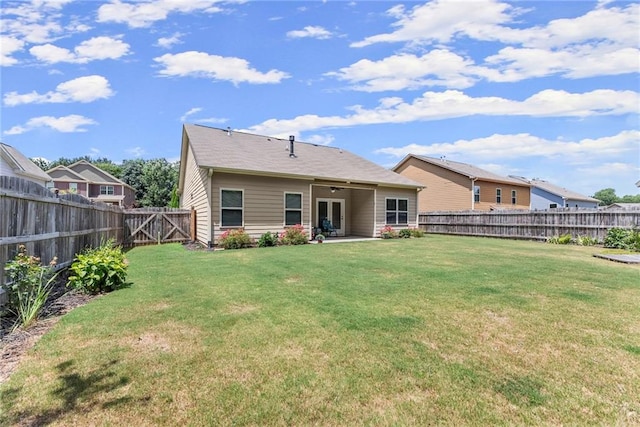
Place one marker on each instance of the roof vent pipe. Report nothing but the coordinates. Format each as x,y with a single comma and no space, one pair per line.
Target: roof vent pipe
291,140
228,131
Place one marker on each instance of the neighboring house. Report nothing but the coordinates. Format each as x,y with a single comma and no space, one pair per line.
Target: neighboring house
545,195
625,206
260,183
456,186
92,182
14,163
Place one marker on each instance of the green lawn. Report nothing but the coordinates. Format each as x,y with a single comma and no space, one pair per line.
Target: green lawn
441,330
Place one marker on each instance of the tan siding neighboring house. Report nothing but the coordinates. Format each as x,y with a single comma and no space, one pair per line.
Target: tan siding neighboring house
456,186
259,183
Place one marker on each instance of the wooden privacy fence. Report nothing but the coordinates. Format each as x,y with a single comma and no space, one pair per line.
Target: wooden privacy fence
532,225
156,225
51,226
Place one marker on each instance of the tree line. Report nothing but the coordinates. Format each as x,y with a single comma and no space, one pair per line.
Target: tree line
155,181
607,196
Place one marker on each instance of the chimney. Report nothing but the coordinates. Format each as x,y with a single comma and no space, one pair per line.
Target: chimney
291,140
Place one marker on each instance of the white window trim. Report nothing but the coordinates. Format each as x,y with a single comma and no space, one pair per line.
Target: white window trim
285,210
106,190
499,196
474,193
514,197
240,209
397,199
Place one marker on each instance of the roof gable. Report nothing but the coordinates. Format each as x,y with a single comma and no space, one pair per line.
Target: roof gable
470,171
20,164
557,190
63,173
233,151
94,174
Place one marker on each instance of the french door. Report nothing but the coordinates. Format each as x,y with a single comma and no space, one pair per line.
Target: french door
333,209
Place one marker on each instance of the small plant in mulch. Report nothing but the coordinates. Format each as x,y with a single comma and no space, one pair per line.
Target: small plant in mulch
98,270
29,286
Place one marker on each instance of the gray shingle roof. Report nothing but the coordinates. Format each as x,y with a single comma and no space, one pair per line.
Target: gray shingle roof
263,155
22,164
469,170
561,191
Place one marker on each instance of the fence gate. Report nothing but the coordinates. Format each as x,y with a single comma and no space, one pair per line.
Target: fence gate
156,225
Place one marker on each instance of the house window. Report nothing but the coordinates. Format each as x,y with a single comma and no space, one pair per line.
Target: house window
292,208
73,187
514,197
397,211
106,190
476,193
231,208
498,195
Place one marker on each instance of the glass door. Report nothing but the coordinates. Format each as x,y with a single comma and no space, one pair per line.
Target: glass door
333,209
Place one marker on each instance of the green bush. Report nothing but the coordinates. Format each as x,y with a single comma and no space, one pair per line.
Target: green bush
268,239
416,232
235,239
564,239
98,270
405,233
617,238
28,285
586,241
294,235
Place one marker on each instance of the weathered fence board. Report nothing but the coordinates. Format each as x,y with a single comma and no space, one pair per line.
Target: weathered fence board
532,225
51,226
156,225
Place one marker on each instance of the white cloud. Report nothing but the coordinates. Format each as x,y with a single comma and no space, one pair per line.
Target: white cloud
37,21
136,151
9,46
189,113
145,13
83,89
440,21
67,124
310,31
438,67
318,139
452,103
526,145
200,64
601,42
96,48
168,42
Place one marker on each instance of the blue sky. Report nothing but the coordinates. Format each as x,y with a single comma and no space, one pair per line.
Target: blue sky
541,89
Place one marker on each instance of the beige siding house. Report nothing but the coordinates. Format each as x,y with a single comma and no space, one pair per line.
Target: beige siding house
14,163
455,186
259,183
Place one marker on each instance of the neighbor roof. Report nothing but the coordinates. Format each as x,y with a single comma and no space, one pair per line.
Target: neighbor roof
470,171
263,155
21,164
63,173
558,191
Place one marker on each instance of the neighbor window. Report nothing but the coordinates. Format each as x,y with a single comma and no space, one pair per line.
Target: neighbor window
73,187
106,190
498,195
292,208
231,208
397,211
514,197
476,193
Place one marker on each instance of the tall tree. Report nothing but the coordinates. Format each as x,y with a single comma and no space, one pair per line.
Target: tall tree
606,196
132,175
159,178
41,163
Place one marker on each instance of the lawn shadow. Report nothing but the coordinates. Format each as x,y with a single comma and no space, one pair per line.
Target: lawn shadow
76,391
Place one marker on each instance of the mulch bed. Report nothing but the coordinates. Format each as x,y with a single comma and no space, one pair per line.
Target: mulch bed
15,342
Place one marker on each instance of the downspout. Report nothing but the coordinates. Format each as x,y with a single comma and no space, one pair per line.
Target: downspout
473,194
212,235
